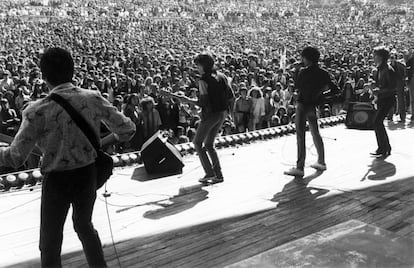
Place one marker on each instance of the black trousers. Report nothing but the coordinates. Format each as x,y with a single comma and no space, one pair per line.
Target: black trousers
60,190
402,108
384,106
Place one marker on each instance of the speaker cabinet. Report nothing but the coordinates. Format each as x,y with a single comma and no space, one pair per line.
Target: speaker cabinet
161,157
360,115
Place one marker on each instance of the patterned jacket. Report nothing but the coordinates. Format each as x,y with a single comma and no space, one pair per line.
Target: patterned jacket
63,145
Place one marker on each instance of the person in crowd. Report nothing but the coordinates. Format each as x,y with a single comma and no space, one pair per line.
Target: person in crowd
257,109
151,121
132,111
386,84
348,94
312,81
8,118
280,78
400,72
409,63
68,157
242,110
269,108
7,83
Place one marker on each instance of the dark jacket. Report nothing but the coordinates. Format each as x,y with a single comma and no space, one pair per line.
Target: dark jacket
311,83
386,81
214,90
400,71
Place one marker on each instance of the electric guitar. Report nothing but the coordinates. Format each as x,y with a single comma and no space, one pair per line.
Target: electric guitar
181,98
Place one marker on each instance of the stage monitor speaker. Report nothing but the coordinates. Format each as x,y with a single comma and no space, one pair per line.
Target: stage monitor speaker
360,115
161,157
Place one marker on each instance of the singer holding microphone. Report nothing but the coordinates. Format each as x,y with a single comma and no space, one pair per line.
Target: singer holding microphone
68,157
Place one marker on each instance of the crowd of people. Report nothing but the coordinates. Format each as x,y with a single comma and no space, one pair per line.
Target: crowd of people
135,49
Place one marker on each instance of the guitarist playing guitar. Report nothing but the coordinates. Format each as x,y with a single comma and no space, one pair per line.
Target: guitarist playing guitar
215,98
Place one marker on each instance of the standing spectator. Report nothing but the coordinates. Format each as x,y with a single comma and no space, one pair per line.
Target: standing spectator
151,121
269,109
242,110
400,72
8,118
258,107
409,62
280,78
132,112
348,94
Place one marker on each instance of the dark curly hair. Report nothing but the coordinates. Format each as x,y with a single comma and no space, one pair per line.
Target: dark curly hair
383,52
312,54
57,66
207,61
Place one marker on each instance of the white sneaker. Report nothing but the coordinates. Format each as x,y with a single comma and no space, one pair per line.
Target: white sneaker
319,166
295,172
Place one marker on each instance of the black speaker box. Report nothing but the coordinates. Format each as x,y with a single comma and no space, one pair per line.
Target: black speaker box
360,115
161,157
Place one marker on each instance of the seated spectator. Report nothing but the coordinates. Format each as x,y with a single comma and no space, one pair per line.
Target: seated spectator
228,128
285,120
326,112
293,118
290,110
281,112
275,121
118,101
183,139
191,133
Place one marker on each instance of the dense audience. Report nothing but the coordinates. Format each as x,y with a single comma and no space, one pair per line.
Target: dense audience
129,51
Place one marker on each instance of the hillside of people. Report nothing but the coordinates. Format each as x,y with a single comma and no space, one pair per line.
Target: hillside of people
131,50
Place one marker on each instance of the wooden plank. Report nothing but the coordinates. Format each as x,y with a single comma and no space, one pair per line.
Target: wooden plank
255,209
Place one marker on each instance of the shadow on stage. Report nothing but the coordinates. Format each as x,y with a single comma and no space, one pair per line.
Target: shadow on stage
301,210
379,170
299,187
140,174
178,203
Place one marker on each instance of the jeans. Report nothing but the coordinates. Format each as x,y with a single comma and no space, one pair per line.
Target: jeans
303,113
384,105
204,138
60,190
401,102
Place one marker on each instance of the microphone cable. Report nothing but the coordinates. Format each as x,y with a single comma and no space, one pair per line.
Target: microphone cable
106,195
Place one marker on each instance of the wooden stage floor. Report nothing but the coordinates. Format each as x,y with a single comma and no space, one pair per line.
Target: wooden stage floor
173,222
